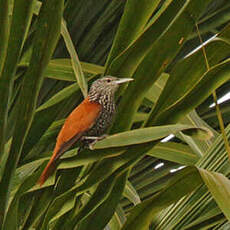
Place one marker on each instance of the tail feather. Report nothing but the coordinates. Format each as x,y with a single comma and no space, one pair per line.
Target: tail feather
58,151
48,171
50,167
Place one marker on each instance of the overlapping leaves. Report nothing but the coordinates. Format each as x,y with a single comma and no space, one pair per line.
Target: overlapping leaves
156,36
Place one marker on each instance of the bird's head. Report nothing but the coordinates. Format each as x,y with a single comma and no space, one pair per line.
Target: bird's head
106,86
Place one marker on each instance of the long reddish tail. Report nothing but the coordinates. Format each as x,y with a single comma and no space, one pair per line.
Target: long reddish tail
50,167
59,149
48,171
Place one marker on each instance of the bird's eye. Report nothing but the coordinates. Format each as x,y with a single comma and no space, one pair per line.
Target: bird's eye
108,80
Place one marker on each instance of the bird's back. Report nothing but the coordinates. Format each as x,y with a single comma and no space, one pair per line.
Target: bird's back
81,119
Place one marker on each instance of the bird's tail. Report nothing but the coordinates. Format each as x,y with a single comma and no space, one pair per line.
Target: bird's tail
47,172
58,151
50,167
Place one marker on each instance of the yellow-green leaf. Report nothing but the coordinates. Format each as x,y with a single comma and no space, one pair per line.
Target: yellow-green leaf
149,134
219,186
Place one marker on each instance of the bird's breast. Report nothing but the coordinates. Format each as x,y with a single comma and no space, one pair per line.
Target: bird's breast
103,121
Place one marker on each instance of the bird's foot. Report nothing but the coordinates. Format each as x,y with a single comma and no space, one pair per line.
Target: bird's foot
95,140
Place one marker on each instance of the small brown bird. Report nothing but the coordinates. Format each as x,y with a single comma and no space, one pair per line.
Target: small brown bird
87,122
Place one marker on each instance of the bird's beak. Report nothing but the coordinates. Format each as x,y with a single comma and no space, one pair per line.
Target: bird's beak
123,80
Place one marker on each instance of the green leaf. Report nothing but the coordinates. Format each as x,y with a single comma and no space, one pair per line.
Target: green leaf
86,157
60,96
140,117
4,157
103,169
179,24
61,187
198,146
135,17
19,23
199,202
212,213
21,18
154,92
25,205
74,59
61,69
11,222
126,62
45,40
201,134
92,27
211,80
219,186
41,203
144,135
175,152
183,78
64,202
101,216
25,178
25,171
118,219
131,193
182,183
4,31
92,68
98,197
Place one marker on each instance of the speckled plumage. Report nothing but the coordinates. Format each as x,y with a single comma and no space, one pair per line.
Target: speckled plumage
87,122
103,95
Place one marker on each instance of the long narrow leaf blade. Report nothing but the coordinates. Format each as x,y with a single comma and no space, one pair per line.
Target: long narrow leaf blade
219,186
45,40
131,194
143,214
22,12
74,59
211,80
149,134
101,216
4,30
151,67
183,78
174,152
133,21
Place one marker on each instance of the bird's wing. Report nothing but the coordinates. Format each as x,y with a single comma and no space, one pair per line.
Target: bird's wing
78,122
81,119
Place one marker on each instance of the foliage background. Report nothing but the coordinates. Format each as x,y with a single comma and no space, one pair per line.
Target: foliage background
120,185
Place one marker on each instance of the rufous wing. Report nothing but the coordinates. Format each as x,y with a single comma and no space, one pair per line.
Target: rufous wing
81,119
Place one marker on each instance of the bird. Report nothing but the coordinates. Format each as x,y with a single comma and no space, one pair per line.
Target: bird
88,122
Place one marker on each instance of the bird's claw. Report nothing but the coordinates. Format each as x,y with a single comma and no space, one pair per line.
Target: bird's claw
91,145
95,140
